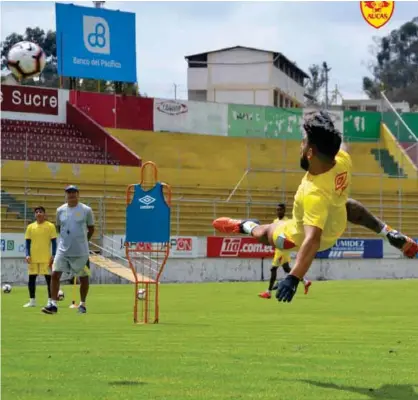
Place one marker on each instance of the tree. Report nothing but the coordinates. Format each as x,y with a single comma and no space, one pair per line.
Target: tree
395,69
315,84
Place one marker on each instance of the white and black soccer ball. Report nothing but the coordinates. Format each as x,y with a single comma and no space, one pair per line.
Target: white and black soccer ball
61,295
7,288
26,60
141,294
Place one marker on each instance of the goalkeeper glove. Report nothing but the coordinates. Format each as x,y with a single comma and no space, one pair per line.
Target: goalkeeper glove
287,288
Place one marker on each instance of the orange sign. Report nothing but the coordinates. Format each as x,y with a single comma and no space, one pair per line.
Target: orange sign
377,13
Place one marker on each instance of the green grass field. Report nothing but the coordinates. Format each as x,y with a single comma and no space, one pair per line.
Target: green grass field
345,340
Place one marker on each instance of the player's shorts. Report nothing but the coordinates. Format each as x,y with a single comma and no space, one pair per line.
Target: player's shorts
74,265
280,258
282,243
39,269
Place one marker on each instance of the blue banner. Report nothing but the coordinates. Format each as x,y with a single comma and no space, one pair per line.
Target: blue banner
95,43
354,248
417,242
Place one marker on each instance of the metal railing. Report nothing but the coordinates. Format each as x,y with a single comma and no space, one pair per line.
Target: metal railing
197,213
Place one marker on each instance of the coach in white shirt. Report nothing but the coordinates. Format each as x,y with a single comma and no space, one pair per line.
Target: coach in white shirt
75,225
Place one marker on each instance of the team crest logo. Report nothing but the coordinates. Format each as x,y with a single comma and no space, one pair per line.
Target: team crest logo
377,13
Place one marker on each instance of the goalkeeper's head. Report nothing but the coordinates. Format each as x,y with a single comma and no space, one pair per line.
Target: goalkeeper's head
321,141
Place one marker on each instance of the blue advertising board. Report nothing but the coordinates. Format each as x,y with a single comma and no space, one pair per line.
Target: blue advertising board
95,43
417,242
354,248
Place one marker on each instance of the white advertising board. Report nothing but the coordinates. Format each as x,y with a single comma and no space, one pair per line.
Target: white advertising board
190,117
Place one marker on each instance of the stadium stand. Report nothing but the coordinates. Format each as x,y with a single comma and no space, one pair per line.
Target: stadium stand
388,163
203,171
49,141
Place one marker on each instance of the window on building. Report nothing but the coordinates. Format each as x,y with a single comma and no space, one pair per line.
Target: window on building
275,98
281,103
354,108
199,61
371,108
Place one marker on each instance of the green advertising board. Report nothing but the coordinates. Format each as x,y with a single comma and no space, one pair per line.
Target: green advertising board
246,121
398,129
283,123
266,122
360,126
286,123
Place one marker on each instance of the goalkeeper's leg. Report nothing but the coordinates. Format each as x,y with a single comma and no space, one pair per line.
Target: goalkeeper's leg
358,214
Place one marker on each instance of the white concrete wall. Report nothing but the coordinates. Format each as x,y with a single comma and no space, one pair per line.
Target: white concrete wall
197,78
241,74
232,96
14,271
287,85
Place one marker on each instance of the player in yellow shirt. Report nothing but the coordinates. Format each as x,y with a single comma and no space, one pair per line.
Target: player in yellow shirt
321,206
41,246
280,258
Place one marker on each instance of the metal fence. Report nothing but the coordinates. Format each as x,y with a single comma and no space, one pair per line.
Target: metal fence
110,212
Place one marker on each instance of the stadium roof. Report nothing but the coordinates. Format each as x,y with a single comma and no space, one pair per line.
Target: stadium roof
275,54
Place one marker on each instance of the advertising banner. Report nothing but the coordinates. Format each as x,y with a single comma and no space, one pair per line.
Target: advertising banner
12,245
354,248
95,43
190,117
362,126
181,246
237,247
248,247
264,122
29,99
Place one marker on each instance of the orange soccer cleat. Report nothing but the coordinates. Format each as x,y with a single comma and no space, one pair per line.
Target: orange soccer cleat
227,225
404,243
307,285
410,248
264,295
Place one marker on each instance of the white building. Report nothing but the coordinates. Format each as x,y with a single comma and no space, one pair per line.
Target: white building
244,75
374,105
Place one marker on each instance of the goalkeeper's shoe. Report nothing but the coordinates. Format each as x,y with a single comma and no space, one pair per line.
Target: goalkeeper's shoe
264,295
229,225
403,243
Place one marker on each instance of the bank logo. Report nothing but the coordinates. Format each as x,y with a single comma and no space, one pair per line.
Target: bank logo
96,34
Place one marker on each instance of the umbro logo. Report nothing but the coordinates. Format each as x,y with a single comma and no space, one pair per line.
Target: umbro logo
146,201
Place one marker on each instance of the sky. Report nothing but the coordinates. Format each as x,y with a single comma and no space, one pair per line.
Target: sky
305,32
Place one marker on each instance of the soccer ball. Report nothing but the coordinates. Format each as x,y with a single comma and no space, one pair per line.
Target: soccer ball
141,294
61,295
26,60
7,288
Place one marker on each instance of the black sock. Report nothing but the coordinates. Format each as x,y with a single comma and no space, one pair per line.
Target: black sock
48,283
286,268
273,277
32,286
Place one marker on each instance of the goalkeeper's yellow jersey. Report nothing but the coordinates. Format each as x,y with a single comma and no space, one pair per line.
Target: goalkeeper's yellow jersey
321,201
